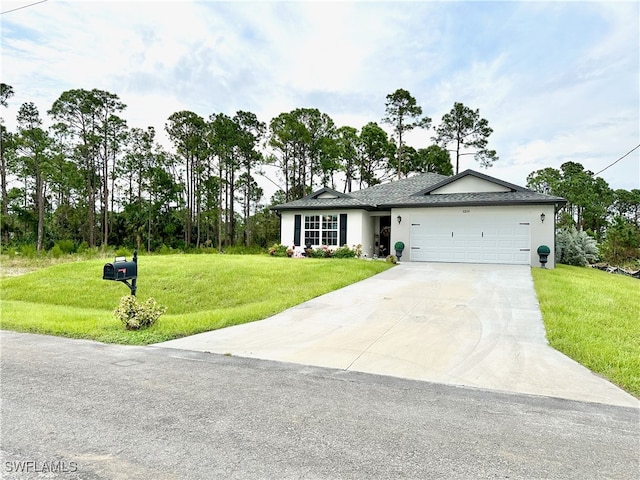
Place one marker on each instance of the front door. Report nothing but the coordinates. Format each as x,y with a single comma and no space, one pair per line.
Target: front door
385,236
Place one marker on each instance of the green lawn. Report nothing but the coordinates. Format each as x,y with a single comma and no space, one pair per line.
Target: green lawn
594,318
591,316
201,292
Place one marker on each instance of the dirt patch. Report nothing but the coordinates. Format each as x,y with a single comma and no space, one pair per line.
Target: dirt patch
8,271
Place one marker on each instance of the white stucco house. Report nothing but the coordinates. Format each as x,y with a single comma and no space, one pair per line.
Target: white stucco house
469,218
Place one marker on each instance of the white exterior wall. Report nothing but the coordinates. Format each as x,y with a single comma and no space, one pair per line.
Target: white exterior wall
541,233
359,227
470,184
367,233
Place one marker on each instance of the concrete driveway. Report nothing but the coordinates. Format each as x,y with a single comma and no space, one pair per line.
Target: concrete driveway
460,324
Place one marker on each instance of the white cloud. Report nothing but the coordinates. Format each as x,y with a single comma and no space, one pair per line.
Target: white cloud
557,81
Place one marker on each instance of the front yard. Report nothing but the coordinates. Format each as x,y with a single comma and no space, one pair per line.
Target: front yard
201,293
594,318
591,316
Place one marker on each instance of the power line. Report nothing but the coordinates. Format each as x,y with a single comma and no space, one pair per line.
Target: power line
24,6
634,148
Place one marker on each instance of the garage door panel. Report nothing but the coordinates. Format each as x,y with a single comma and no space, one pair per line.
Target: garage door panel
484,238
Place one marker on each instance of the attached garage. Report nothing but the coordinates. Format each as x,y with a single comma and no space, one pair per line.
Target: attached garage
465,237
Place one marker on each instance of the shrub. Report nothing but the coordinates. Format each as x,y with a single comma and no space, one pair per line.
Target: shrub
317,253
165,250
136,315
56,251
278,250
391,259
66,246
123,252
28,251
622,242
344,252
244,250
575,248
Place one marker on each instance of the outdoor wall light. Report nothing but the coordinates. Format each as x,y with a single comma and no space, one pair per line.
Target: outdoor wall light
542,215
399,218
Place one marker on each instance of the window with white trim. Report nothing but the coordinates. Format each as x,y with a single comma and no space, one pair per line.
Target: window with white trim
321,230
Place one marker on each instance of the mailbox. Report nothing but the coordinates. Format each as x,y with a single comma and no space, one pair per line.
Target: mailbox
120,271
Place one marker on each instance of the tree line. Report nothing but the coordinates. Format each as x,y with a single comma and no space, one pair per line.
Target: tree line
92,180
611,217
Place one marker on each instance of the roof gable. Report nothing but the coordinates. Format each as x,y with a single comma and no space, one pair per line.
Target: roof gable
326,192
470,181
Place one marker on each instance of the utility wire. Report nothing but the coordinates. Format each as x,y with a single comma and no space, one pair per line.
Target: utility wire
634,148
24,6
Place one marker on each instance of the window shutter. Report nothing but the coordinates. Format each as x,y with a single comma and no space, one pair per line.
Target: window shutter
297,228
343,229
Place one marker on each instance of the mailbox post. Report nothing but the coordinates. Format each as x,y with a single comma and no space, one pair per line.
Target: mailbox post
122,271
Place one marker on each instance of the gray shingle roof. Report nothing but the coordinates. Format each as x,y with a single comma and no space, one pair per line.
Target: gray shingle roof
477,199
416,192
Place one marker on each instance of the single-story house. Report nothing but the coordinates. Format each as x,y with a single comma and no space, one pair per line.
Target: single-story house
469,217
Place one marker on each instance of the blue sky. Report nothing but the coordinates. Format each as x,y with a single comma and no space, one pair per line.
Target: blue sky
557,81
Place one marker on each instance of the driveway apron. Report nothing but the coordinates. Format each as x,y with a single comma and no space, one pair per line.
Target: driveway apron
461,324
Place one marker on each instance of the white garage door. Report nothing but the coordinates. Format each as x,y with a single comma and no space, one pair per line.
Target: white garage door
468,238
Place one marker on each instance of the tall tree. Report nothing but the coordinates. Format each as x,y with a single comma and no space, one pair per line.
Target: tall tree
626,204
588,198
35,153
433,159
464,128
375,155
112,133
86,121
6,92
250,132
223,137
347,143
187,131
75,114
404,114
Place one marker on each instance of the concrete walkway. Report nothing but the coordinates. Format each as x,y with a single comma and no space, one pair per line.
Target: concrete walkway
461,324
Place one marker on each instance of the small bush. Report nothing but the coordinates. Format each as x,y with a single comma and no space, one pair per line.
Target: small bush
278,250
166,250
66,246
316,253
575,248
243,250
344,252
123,252
136,315
56,251
28,251
391,259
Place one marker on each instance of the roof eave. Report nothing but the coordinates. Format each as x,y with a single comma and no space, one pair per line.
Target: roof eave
324,207
475,203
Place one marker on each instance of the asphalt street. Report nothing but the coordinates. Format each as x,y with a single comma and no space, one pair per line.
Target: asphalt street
94,411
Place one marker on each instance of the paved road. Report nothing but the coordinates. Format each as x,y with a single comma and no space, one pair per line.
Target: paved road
460,324
116,412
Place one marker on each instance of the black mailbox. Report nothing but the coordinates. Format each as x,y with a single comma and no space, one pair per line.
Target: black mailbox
120,271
